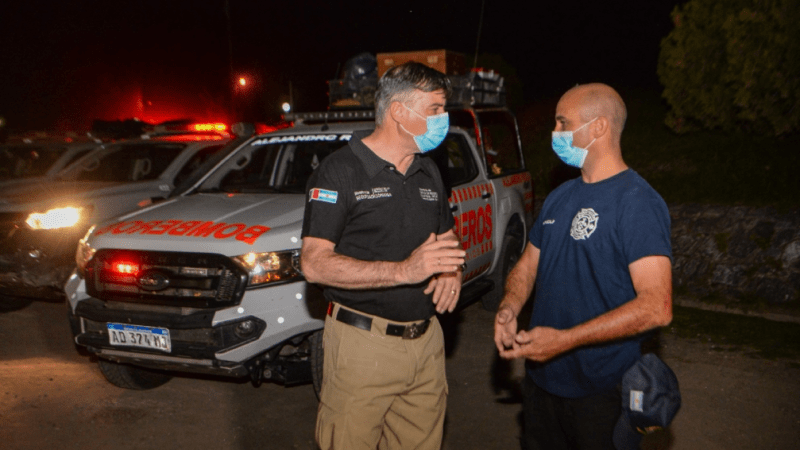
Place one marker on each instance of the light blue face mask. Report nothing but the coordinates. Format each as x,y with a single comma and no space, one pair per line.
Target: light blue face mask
562,145
438,126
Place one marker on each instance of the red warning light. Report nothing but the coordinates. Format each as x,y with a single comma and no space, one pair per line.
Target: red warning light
210,127
126,268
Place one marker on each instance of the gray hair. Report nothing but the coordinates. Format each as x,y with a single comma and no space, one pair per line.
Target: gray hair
400,83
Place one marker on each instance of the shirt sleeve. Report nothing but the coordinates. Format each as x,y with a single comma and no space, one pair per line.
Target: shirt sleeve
537,230
326,202
645,226
446,220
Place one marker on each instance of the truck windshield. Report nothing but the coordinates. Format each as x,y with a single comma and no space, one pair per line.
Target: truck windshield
125,162
274,164
28,161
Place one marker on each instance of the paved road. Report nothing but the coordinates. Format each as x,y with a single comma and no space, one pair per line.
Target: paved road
53,397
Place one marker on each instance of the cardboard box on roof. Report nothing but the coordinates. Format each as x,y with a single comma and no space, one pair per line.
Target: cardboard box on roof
445,61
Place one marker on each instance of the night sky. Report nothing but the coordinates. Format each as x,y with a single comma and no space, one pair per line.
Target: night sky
66,63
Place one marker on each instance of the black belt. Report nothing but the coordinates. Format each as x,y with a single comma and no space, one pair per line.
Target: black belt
363,322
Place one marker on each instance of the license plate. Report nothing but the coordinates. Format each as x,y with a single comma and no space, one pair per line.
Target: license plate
139,336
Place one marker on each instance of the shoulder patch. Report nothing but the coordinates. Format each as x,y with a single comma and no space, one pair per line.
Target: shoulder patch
323,195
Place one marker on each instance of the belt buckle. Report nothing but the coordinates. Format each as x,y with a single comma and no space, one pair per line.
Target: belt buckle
414,330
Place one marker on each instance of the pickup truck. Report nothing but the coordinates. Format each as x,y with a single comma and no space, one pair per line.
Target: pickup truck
208,281
31,161
42,220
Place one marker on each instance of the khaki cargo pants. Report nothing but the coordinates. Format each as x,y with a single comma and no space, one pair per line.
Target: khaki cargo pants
381,391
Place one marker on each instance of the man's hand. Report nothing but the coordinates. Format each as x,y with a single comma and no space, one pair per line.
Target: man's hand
432,257
539,344
505,329
651,308
446,288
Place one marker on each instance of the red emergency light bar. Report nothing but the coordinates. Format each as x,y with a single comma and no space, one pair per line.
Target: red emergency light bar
187,131
191,137
210,127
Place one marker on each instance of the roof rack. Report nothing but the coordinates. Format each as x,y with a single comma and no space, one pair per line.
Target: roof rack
344,115
352,97
478,88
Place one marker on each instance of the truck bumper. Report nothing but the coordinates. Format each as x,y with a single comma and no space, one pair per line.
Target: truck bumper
204,340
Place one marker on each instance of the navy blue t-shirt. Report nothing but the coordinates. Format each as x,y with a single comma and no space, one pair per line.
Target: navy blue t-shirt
588,234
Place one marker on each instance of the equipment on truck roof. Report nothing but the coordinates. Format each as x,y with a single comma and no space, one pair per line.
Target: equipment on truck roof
478,87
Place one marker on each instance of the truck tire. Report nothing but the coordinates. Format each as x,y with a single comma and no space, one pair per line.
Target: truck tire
509,255
317,359
127,376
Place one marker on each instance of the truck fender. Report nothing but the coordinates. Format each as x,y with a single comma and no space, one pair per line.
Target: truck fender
515,224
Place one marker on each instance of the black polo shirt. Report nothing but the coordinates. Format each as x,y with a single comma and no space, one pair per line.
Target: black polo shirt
372,212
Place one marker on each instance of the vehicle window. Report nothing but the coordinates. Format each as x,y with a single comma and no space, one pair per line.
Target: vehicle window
465,120
76,156
252,171
195,162
277,166
500,143
455,161
129,162
27,161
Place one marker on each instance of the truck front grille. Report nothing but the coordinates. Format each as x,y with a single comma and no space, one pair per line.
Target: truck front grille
198,280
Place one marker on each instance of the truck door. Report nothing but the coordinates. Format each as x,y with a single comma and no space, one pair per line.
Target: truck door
471,199
505,166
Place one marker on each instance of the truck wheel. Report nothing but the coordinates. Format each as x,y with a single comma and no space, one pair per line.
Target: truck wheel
317,358
131,377
509,255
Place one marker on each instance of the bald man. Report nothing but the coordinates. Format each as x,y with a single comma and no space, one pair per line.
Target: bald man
600,257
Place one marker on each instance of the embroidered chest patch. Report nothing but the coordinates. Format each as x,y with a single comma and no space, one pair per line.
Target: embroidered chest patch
584,224
378,192
428,195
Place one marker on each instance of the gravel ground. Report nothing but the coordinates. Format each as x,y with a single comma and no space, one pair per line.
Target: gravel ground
53,397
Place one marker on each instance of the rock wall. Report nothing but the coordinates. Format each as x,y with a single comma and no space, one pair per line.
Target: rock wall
747,254
751,255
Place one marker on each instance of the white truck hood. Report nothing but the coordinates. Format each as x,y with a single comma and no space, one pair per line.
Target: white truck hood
67,193
228,224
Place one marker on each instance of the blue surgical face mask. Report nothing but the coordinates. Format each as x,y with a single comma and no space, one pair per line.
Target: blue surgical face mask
438,126
562,145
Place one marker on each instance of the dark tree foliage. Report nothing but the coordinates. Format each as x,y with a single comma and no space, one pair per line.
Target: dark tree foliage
733,65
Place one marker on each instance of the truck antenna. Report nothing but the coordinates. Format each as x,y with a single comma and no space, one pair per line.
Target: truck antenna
230,61
478,41
328,112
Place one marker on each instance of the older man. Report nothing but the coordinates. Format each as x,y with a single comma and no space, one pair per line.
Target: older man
380,237
600,256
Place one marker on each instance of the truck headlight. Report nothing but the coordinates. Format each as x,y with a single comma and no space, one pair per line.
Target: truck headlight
54,218
85,251
271,267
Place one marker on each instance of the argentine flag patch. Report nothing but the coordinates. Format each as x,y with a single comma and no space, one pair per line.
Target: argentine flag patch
323,195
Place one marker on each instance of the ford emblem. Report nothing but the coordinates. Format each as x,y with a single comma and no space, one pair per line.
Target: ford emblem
153,281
